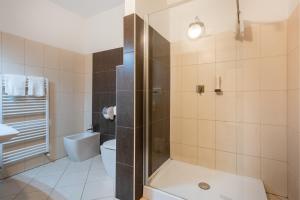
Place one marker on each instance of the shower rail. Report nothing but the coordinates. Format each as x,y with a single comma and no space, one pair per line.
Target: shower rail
30,116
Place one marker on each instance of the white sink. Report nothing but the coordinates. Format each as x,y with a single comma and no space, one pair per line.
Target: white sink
7,132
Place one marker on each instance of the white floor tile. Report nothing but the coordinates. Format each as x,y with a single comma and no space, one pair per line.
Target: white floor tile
67,193
74,178
98,189
61,180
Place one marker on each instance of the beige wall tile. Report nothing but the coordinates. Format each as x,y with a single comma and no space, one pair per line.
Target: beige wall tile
176,151
206,76
176,79
273,39
226,161
176,130
34,71
34,54
206,134
274,142
189,105
248,166
12,68
207,50
207,158
248,139
13,49
189,154
274,107
190,58
51,57
293,30
226,47
250,47
189,78
226,106
176,104
189,134
66,60
274,73
227,71
293,110
248,107
226,139
206,106
274,175
248,75
293,69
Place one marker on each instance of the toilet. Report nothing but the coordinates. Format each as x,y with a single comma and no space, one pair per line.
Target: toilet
108,154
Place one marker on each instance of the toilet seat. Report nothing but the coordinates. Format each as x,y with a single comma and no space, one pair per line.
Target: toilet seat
110,144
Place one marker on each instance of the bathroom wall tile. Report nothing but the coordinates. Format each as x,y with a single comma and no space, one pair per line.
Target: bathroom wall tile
248,75
248,107
176,104
189,81
189,154
190,58
189,127
176,130
293,30
66,60
274,142
104,81
12,68
226,106
125,109
34,54
207,106
79,64
176,79
66,82
206,158
248,139
226,47
206,50
226,138
248,166
274,107
51,57
189,103
206,76
13,49
250,46
293,69
206,134
125,145
128,26
226,161
125,73
124,177
274,176
34,71
274,73
176,151
273,39
227,71
292,110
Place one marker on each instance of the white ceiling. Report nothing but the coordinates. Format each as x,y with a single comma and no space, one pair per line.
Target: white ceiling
87,8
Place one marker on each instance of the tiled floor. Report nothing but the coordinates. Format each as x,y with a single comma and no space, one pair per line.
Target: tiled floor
61,180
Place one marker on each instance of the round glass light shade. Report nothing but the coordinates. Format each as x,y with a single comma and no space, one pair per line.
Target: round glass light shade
195,30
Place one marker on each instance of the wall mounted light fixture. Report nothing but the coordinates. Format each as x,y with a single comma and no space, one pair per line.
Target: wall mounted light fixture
196,29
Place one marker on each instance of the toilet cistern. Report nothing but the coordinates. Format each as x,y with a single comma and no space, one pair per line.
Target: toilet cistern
7,132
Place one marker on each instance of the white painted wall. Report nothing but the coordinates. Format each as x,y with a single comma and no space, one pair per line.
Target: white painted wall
218,16
104,31
42,21
46,22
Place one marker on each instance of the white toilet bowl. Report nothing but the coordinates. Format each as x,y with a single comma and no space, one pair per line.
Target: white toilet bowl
108,154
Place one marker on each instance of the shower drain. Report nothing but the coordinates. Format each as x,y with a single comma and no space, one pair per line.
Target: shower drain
204,186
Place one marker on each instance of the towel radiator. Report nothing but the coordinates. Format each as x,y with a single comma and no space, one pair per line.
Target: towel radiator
30,116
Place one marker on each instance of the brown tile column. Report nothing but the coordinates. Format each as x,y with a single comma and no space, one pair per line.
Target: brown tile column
129,169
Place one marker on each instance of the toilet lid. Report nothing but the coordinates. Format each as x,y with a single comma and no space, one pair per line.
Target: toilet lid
110,144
